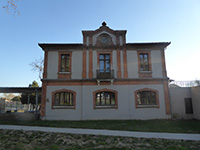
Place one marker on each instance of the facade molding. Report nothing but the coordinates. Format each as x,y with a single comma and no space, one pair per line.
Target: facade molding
90,63
84,65
167,99
125,74
164,72
71,82
45,64
119,73
128,46
43,100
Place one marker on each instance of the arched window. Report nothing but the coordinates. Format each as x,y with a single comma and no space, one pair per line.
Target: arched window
105,98
63,99
146,98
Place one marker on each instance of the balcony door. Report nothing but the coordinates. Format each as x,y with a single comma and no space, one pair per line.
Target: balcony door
104,62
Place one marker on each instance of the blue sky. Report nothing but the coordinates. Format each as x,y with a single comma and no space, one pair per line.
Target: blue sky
61,21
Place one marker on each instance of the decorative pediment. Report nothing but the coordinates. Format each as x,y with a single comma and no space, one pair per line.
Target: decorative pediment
104,36
104,28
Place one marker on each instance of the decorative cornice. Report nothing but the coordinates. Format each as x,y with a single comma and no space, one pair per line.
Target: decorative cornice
128,46
116,80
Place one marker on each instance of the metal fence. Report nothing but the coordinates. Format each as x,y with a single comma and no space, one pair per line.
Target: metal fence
16,107
186,83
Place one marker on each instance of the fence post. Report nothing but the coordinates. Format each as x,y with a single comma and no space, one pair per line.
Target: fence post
28,98
36,101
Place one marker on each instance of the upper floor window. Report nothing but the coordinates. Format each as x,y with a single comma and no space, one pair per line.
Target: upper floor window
144,62
146,98
65,63
105,98
63,98
104,62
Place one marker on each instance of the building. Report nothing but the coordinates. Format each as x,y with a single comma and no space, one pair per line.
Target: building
105,78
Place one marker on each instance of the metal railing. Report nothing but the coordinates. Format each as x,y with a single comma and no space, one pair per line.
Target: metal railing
186,83
14,106
105,74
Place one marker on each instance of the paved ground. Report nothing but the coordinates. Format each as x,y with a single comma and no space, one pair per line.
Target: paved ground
177,136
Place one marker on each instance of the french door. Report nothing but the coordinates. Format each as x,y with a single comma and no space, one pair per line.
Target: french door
104,62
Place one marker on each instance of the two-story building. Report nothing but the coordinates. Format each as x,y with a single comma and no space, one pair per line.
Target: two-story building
105,78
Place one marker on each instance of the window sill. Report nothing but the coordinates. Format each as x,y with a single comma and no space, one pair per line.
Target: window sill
63,107
64,72
105,107
147,106
145,74
145,71
64,75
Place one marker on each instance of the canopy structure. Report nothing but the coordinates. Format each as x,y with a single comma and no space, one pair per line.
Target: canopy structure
20,89
27,90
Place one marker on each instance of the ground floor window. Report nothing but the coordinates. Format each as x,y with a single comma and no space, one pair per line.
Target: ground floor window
146,98
105,98
63,99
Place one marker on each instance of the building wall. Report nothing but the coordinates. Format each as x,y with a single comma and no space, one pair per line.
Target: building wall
177,99
132,64
114,62
77,58
195,91
126,104
156,64
52,66
77,64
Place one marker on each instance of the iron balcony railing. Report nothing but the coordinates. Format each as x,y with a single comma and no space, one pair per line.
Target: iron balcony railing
105,74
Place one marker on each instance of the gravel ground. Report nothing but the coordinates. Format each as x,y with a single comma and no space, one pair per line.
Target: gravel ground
31,140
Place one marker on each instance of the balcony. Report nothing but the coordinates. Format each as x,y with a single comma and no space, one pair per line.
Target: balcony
105,75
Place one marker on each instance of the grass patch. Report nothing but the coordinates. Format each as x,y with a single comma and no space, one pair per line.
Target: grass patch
171,126
22,141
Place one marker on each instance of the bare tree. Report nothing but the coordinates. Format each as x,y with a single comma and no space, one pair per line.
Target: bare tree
11,4
37,66
8,96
